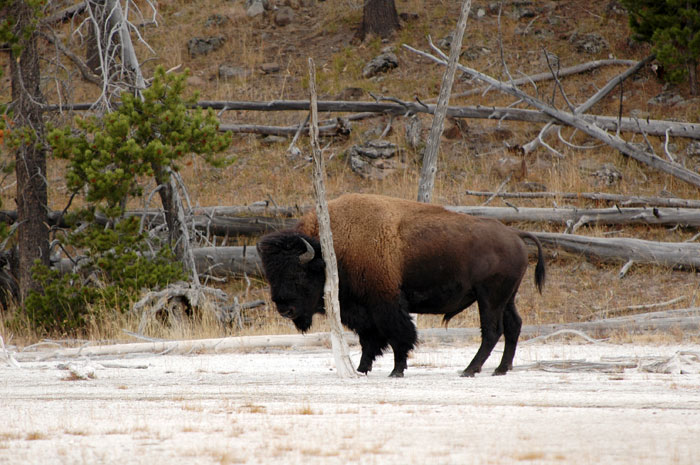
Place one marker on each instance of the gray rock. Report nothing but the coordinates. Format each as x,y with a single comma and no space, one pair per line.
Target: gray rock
272,139
203,45
445,42
589,43
254,8
375,159
264,3
474,52
375,149
414,128
615,8
532,187
667,97
351,93
216,20
693,149
380,64
284,16
270,68
232,72
608,175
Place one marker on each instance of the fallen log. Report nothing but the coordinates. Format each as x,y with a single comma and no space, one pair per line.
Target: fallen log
218,262
580,217
285,131
546,76
610,123
686,319
621,200
681,255
227,261
208,222
653,127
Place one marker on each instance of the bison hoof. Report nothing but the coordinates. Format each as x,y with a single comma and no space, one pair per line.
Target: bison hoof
467,374
396,374
500,372
364,370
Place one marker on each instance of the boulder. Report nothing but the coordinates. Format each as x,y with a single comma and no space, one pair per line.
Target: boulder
255,8
375,159
227,72
284,16
197,46
270,68
380,64
216,20
666,98
591,43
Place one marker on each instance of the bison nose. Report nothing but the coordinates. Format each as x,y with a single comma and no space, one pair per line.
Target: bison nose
286,311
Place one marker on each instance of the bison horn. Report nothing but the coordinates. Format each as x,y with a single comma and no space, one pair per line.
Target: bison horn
307,256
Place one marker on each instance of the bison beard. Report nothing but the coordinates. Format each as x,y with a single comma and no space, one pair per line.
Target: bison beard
397,257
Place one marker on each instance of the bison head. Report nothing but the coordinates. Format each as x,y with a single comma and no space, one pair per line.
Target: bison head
294,267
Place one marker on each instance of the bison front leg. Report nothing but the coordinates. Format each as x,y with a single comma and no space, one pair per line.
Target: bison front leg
401,332
373,344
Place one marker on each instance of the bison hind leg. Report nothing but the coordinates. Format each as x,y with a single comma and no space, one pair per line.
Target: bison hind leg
492,306
512,323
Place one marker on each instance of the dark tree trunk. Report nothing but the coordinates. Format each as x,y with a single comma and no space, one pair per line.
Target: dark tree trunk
379,17
167,197
693,76
32,213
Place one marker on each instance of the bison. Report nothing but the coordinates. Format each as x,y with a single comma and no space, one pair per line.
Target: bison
397,257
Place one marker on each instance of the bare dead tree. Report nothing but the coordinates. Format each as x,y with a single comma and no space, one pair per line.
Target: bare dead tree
341,351
578,122
429,168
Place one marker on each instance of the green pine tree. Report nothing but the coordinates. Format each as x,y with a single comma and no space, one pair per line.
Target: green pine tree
672,27
109,158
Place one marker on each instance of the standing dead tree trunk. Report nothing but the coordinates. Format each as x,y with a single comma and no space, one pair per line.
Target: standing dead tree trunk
429,169
341,351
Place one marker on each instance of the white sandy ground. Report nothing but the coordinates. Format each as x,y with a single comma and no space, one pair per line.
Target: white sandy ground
288,406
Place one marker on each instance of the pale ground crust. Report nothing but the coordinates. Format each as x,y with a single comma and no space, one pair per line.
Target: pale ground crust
288,406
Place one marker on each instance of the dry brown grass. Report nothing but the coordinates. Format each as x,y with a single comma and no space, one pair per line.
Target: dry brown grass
576,290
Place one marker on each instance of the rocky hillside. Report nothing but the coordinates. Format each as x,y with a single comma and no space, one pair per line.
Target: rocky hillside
257,50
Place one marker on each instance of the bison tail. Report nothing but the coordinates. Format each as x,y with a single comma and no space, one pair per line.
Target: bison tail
540,269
